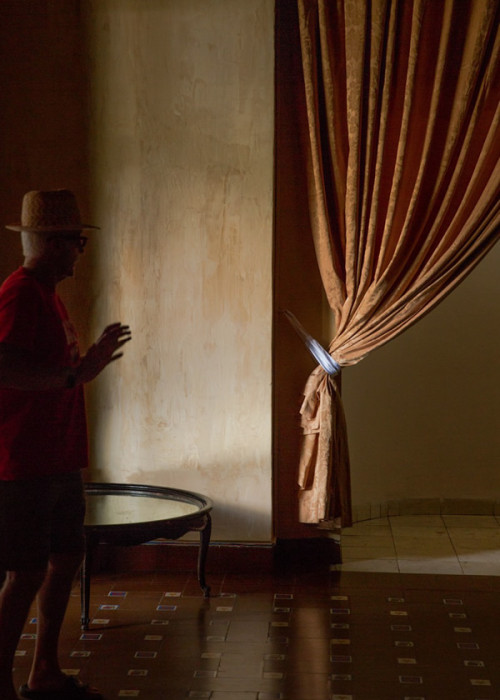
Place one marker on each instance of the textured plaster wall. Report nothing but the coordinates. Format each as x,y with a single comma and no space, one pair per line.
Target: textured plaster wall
181,148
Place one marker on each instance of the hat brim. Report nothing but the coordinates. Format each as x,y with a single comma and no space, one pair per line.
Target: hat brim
50,229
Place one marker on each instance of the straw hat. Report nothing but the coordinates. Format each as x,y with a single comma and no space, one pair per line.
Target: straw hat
52,210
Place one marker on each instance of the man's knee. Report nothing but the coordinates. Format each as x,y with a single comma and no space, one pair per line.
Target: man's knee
66,564
25,583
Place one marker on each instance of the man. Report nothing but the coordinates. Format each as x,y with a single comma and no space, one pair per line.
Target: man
43,440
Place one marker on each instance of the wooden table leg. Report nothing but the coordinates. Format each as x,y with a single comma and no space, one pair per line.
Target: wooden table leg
205,533
85,585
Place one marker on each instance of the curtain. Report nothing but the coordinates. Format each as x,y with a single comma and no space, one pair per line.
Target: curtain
403,142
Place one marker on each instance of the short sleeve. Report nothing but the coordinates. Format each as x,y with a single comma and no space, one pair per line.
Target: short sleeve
19,310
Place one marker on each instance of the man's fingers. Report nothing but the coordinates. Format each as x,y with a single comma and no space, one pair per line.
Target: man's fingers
116,334
117,327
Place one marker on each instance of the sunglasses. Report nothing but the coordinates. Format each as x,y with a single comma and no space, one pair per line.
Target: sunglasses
81,241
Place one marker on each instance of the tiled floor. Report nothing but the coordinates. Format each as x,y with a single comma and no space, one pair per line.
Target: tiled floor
430,544
337,635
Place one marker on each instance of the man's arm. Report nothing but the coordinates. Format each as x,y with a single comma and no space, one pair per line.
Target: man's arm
20,370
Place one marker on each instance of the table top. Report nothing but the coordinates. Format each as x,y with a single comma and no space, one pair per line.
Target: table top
118,505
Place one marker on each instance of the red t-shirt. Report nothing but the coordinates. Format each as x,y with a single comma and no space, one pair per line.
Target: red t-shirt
41,432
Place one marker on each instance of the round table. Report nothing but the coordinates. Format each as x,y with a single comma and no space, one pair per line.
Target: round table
131,514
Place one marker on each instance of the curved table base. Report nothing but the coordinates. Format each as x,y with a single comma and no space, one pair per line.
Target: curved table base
92,542
134,533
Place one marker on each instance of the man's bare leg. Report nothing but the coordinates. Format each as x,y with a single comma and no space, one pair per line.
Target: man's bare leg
52,600
17,594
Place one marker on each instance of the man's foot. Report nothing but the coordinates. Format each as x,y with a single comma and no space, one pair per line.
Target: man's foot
71,689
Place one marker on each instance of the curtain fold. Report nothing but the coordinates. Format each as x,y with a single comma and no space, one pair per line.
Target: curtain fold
403,145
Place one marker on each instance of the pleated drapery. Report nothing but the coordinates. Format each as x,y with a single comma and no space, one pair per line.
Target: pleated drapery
403,145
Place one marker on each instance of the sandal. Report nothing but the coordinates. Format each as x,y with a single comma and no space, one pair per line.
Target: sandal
72,689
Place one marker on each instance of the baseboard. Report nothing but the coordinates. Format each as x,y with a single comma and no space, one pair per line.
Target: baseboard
314,554
425,506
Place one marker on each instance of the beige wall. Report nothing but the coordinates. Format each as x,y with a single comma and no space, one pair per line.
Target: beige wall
181,147
423,411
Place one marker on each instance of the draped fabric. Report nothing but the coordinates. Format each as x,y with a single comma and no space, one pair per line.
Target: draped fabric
403,145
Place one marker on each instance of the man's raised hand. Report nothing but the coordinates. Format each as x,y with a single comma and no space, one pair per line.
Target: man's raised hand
102,352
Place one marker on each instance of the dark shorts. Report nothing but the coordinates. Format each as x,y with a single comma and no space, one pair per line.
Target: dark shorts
40,517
